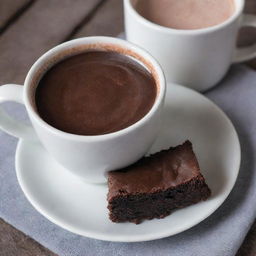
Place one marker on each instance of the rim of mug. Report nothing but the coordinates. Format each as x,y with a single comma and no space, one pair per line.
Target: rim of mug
161,84
148,23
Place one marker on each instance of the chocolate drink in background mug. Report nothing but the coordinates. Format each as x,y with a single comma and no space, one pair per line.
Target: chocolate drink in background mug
197,58
186,14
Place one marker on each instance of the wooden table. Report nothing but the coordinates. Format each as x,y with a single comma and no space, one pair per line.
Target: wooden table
28,28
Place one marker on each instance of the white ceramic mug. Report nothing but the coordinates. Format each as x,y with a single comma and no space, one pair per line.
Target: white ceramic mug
195,58
90,157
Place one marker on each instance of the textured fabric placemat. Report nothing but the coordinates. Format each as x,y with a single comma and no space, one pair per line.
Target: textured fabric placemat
220,234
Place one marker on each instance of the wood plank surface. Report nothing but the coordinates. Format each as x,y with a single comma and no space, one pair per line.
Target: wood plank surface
15,243
107,22
8,9
44,25
247,36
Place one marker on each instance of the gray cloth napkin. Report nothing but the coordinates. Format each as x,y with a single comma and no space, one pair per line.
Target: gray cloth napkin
220,234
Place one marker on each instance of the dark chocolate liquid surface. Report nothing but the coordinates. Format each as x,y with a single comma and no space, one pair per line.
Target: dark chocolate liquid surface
95,93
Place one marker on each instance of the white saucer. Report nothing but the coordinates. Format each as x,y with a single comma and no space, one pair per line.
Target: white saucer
82,208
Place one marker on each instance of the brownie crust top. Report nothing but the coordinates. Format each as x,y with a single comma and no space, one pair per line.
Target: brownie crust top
165,169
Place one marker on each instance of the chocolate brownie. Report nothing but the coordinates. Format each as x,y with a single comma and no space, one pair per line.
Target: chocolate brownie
156,185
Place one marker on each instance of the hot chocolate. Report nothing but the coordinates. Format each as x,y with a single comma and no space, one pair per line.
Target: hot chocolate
95,93
185,14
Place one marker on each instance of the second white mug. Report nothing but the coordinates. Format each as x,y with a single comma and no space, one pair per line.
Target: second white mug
199,58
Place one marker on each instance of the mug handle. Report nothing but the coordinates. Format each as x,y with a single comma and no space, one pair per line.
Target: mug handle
246,53
14,92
